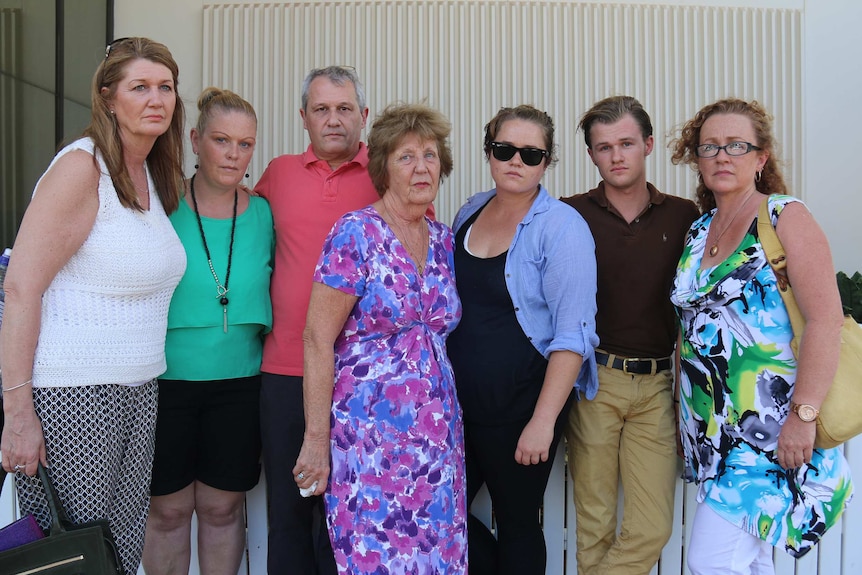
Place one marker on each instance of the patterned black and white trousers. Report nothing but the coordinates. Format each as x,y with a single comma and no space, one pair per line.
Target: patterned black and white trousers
99,441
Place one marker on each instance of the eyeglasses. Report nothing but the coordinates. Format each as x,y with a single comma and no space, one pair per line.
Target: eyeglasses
112,44
731,149
530,156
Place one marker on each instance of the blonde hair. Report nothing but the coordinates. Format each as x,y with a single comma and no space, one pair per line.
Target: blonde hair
214,100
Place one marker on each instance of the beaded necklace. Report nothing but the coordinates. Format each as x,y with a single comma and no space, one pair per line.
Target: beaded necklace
220,289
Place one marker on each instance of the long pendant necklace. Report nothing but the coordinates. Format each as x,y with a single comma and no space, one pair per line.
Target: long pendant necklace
714,249
220,289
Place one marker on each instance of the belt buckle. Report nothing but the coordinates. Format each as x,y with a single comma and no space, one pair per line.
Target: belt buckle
652,370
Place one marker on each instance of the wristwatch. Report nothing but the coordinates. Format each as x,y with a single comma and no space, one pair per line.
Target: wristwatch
805,412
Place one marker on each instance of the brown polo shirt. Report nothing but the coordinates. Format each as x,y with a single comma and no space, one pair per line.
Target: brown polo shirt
636,265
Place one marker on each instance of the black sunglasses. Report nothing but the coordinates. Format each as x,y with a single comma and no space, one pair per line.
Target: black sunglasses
530,156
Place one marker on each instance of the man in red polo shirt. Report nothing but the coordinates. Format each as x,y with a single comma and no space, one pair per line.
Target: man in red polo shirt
308,192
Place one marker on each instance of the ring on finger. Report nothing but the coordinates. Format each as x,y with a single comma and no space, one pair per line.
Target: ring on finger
300,476
19,467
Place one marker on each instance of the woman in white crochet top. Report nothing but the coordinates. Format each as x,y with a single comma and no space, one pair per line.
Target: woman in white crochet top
96,261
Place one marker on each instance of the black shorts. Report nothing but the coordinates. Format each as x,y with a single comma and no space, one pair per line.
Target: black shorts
207,431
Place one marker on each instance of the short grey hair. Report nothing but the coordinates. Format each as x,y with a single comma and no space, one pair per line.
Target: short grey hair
338,75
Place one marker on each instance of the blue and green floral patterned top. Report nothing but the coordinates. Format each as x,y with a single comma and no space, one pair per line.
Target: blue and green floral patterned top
737,379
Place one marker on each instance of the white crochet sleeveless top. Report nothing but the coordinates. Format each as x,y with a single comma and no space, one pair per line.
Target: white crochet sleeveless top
105,315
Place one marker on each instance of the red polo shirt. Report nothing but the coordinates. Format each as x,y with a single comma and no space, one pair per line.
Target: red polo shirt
306,197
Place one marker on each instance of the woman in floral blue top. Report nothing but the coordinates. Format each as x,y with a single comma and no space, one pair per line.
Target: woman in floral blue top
748,408
382,305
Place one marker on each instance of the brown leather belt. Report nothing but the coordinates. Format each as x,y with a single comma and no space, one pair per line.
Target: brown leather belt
633,365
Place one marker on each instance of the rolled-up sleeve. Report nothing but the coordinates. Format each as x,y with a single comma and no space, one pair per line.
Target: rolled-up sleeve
551,276
569,285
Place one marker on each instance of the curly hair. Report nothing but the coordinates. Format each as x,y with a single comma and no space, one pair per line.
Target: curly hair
685,146
390,128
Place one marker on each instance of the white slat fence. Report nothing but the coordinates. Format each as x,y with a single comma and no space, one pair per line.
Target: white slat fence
839,553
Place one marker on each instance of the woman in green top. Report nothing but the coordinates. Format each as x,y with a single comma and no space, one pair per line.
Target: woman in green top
207,435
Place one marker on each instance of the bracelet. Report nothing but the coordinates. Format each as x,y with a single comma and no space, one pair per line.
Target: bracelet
14,387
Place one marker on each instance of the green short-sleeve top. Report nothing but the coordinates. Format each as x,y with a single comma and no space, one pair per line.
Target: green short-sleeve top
197,346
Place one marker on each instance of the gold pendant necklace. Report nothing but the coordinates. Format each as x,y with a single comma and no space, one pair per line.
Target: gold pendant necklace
714,249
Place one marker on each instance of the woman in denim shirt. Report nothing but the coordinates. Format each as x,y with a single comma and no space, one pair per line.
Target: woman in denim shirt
526,272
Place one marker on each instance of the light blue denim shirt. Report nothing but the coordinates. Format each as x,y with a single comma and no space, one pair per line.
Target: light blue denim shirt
551,278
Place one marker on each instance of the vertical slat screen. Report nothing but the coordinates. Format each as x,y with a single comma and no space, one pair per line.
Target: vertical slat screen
469,58
9,56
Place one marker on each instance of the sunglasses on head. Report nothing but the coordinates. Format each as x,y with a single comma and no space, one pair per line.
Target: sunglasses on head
505,152
110,46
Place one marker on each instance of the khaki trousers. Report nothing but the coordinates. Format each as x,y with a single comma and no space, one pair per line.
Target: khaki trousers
626,435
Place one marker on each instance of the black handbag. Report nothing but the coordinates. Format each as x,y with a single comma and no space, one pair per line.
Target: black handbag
68,549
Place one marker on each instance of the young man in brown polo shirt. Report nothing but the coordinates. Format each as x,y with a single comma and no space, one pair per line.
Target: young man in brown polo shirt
627,433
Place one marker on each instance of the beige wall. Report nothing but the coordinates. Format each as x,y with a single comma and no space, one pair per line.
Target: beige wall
833,121
833,73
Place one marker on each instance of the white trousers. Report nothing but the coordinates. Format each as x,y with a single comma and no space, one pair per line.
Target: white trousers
718,547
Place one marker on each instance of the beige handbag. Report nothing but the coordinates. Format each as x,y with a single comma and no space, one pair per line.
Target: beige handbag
840,416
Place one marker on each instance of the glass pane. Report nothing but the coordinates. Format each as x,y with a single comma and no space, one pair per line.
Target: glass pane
28,91
26,104
84,48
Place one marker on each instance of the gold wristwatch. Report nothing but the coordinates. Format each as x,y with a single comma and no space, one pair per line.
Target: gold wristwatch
805,412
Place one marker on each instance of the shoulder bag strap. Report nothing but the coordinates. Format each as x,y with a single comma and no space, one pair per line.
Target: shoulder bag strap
778,261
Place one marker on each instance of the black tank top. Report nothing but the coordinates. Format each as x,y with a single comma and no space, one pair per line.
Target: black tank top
498,372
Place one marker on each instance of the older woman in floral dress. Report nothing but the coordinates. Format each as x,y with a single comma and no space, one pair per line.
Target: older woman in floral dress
382,305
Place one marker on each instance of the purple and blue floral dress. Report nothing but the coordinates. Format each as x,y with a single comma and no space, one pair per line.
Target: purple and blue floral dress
396,500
